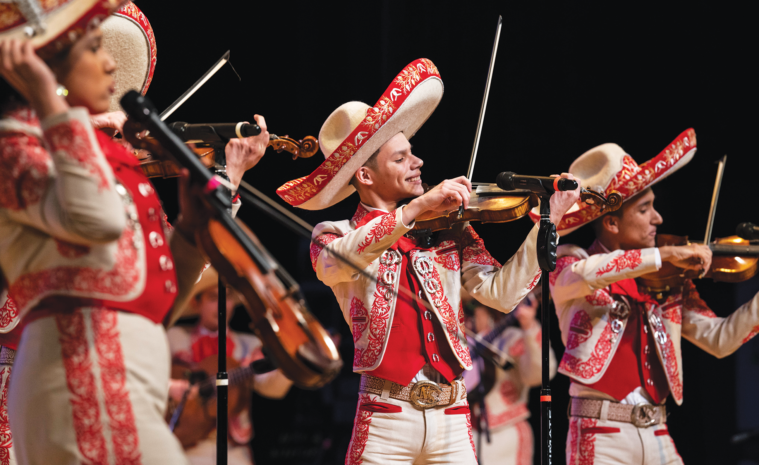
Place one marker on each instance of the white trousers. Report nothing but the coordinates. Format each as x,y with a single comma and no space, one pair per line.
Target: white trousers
204,453
509,445
390,431
91,387
7,456
599,442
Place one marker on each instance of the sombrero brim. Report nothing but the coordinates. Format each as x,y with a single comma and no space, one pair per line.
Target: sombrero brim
631,180
404,107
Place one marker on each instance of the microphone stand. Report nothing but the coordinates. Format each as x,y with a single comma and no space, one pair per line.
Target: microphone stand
222,381
547,259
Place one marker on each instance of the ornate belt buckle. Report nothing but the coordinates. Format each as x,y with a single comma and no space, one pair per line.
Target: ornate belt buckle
425,394
645,415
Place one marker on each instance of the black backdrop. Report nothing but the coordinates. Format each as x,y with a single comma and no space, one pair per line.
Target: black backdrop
568,77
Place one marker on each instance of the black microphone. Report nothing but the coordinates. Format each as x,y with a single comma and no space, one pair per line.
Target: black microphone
541,185
747,231
213,132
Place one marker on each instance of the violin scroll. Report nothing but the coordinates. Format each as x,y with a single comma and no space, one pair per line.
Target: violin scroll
304,148
612,202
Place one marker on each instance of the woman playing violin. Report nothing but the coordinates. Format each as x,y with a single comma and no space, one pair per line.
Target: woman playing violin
622,345
86,256
413,406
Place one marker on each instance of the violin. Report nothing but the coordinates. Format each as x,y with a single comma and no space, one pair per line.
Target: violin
156,166
491,204
294,340
734,260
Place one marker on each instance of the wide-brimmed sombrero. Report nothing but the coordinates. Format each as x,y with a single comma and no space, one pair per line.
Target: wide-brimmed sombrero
608,168
353,132
52,25
209,279
129,38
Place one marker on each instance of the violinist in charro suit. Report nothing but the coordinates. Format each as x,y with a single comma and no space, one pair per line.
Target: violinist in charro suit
412,403
622,344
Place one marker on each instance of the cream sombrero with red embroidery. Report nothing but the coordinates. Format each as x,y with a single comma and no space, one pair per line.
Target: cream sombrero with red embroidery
52,25
128,37
607,168
354,131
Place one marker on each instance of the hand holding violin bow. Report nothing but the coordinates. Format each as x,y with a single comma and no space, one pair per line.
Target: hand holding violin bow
689,257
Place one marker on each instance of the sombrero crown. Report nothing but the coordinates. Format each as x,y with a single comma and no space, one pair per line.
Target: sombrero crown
129,38
607,168
353,132
52,25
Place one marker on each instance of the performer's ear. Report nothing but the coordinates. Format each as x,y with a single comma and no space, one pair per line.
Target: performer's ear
610,223
364,177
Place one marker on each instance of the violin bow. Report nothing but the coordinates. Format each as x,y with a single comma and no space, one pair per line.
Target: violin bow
194,88
715,196
484,106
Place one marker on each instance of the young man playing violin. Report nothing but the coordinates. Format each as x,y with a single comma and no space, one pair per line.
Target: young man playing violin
622,344
410,351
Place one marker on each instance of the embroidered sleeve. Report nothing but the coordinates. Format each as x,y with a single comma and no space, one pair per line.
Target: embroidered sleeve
498,287
718,336
64,188
361,246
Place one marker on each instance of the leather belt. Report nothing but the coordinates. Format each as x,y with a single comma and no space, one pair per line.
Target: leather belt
641,415
7,355
423,395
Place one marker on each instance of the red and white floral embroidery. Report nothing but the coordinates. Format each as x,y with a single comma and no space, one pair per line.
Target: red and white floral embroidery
535,281
561,263
72,140
600,298
69,250
580,329
8,313
383,228
380,318
524,443
471,438
449,261
113,379
447,314
318,246
630,259
673,312
509,392
361,212
6,438
692,301
754,332
509,415
669,357
360,432
117,281
588,369
85,407
581,444
359,318
474,250
25,168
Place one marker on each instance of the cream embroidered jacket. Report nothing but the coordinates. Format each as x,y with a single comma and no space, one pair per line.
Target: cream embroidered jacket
592,320
59,197
458,258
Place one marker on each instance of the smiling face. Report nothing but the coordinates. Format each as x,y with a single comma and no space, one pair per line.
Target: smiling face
87,73
393,175
634,227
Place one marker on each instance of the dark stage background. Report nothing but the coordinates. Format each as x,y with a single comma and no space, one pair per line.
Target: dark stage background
568,77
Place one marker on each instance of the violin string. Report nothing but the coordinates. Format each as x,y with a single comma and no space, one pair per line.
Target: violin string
300,227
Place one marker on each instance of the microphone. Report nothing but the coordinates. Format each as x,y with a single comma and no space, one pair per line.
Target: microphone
213,132
747,231
541,185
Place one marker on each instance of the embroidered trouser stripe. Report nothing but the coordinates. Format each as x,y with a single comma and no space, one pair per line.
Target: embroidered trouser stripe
6,439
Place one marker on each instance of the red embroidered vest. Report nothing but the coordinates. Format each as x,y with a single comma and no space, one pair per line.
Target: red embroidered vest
416,335
635,362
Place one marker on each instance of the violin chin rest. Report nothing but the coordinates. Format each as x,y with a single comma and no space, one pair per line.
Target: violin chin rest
310,355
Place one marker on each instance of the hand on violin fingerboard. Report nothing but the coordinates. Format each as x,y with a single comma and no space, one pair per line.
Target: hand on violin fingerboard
244,154
111,120
447,195
562,201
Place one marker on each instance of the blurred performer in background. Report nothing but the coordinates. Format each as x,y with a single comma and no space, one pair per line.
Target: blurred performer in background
517,338
412,402
196,349
622,344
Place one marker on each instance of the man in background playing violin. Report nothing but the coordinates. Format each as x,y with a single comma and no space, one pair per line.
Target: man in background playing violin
405,308
622,344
